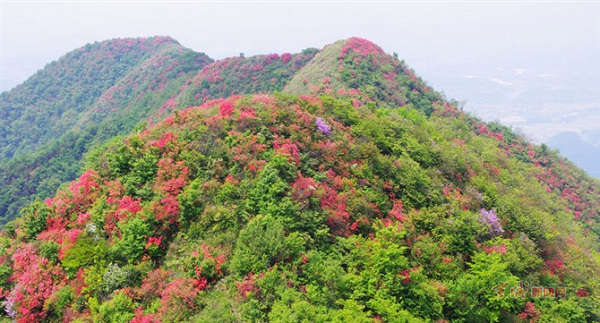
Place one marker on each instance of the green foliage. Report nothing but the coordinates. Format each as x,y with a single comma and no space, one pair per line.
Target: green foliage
358,207
564,310
49,250
481,293
292,308
78,102
521,256
84,253
463,230
271,186
119,309
83,76
134,234
116,277
392,311
59,301
140,174
35,216
5,273
216,307
259,245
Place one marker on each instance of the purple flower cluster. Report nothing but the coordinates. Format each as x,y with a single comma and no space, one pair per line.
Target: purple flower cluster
489,218
323,126
9,303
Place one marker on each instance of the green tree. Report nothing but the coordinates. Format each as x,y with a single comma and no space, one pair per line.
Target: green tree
259,245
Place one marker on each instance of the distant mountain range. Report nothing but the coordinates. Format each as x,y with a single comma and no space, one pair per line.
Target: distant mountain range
574,147
540,99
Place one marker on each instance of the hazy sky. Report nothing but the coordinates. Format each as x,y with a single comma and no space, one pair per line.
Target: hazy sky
426,35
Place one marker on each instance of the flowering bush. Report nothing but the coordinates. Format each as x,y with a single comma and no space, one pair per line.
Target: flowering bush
489,218
155,282
114,278
530,313
323,126
177,300
247,286
34,281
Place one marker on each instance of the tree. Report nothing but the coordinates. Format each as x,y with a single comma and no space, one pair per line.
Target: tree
481,294
35,216
259,246
134,235
119,309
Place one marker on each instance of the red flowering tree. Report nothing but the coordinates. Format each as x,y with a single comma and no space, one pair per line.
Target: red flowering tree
178,299
155,282
171,176
34,279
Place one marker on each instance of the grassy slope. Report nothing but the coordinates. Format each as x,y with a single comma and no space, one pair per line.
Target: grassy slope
321,66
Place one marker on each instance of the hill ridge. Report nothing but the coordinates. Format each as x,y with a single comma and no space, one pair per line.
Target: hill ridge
110,56
40,171
381,79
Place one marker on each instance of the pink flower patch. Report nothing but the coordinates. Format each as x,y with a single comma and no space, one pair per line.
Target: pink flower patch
225,109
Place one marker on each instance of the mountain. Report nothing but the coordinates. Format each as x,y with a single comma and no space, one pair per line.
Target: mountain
329,185
86,97
50,102
161,76
572,146
361,69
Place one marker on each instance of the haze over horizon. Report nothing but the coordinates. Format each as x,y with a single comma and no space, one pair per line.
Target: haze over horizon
530,66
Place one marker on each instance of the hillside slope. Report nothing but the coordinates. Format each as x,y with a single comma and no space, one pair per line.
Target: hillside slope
172,78
284,209
360,70
237,75
123,78
49,103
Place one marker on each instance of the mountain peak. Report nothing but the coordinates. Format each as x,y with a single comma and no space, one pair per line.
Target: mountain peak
94,67
359,67
120,45
361,47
